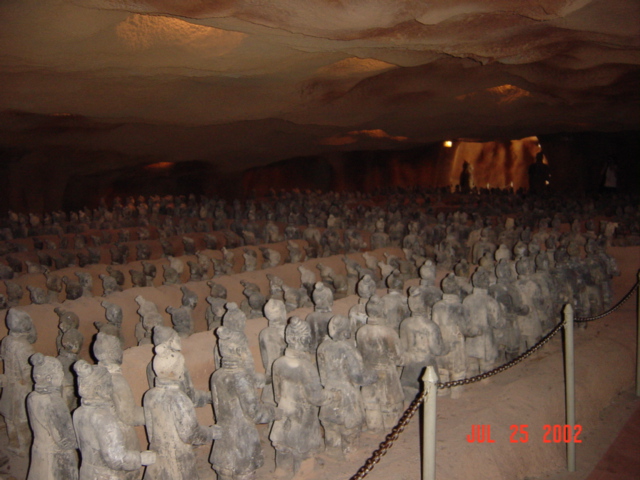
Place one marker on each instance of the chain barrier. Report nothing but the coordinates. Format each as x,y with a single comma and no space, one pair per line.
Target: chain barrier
408,414
611,310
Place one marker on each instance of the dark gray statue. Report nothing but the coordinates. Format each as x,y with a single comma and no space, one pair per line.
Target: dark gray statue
15,350
53,452
170,420
298,394
237,453
100,437
342,369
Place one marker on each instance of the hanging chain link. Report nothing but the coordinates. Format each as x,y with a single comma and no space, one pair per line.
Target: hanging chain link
611,310
408,414
505,366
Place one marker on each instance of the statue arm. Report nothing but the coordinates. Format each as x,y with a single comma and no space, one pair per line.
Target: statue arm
112,448
126,409
63,433
251,406
437,343
187,426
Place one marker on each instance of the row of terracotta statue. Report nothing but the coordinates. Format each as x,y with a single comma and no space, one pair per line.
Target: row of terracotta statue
327,377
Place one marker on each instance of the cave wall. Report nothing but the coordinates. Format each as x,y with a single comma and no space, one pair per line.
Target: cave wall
575,161
39,180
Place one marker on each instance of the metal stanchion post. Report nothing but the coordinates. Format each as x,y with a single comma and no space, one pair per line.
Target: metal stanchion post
638,339
430,380
569,385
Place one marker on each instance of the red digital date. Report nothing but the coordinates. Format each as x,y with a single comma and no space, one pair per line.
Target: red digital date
562,434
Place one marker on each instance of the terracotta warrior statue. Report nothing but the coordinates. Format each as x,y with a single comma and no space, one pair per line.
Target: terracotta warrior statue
237,454
53,452
15,350
98,430
170,420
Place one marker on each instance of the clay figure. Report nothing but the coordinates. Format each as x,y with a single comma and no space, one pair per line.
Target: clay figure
298,394
448,314
250,260
295,253
117,274
100,437
14,293
319,318
483,315
149,318
54,287
37,294
150,271
108,351
272,343
271,257
53,452
86,282
421,341
236,453
167,336
513,306
143,251
15,350
170,421
341,369
109,285
113,325
182,316
70,344
380,348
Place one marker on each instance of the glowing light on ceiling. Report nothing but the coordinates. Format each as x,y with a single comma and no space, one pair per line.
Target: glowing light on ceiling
354,66
448,143
159,165
505,94
141,32
355,135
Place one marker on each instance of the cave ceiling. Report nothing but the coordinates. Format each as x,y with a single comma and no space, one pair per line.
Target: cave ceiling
245,83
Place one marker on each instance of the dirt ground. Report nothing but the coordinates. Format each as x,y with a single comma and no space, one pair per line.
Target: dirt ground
531,393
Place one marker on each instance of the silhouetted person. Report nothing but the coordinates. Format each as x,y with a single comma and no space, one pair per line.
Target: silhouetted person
465,178
609,176
538,175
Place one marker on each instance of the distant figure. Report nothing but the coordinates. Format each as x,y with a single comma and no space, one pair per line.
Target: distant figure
610,176
465,178
538,175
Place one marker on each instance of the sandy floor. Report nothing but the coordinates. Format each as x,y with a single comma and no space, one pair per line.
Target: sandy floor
531,393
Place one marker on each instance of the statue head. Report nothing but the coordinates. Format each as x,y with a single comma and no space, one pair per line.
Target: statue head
168,364
366,287
450,285
339,327
416,300
67,319
375,310
322,297
94,383
47,371
107,349
217,290
298,334
230,343
189,298
166,336
428,272
481,279
72,340
20,323
502,252
234,318
113,312
275,311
